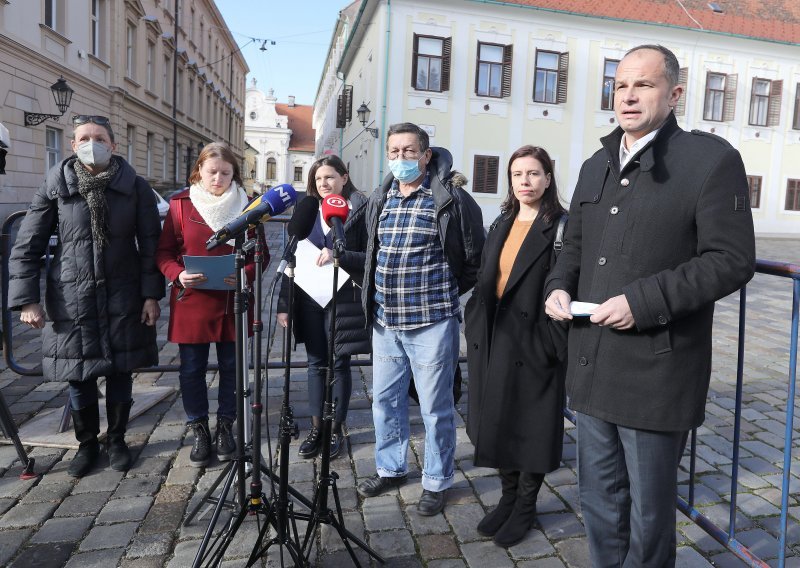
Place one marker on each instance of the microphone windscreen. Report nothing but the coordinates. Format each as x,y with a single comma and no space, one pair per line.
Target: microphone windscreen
279,198
334,206
305,215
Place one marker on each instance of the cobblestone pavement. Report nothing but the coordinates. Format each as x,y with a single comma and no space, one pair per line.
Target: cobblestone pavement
135,519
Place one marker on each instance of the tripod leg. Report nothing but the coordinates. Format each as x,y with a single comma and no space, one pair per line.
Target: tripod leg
207,497
201,552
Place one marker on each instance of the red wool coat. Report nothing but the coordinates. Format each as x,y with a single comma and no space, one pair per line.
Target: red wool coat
199,316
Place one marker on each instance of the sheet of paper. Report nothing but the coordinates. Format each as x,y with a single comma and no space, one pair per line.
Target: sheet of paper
215,268
582,308
316,281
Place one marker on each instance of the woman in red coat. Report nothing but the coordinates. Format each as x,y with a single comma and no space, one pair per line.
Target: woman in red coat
199,317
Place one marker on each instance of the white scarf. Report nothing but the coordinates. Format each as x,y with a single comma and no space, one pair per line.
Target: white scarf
218,210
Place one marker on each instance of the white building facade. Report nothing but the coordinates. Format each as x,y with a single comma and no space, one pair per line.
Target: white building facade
486,78
282,136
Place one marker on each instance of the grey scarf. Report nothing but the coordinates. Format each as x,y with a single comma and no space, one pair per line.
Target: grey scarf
93,188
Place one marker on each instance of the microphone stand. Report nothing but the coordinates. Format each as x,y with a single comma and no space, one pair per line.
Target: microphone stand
281,511
321,514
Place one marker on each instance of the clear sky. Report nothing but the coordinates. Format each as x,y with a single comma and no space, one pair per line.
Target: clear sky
301,30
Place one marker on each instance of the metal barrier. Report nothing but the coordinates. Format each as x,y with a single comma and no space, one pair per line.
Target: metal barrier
726,538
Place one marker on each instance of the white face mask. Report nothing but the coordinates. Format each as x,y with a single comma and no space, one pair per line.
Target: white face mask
94,154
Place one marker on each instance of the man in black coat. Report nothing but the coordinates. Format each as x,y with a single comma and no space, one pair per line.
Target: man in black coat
660,228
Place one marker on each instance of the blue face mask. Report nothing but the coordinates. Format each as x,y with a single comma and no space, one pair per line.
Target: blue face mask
405,170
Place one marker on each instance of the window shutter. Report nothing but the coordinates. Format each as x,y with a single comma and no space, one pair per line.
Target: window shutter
485,174
447,48
683,79
563,74
414,56
774,108
729,100
508,52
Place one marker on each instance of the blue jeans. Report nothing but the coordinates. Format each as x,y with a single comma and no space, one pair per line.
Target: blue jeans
84,393
627,479
431,354
192,375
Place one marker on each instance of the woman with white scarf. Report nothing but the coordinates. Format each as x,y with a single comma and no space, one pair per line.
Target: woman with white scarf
199,317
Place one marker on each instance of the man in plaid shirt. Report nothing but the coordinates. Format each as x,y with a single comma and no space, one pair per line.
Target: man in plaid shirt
425,240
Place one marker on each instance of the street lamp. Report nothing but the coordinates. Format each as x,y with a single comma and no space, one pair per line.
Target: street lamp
62,93
363,118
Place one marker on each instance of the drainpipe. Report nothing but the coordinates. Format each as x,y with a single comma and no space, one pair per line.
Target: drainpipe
385,83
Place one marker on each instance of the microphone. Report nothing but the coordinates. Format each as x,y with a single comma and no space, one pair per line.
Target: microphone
273,202
334,213
300,226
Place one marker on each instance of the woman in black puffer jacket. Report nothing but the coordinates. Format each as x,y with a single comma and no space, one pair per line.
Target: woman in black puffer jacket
328,176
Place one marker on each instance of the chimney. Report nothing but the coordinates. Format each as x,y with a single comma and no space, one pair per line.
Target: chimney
291,100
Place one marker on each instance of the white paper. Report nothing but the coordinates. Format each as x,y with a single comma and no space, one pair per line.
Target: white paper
582,308
316,281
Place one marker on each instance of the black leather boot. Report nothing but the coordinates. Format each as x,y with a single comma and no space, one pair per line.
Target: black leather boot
87,426
201,450
524,512
226,445
310,447
336,439
119,456
492,522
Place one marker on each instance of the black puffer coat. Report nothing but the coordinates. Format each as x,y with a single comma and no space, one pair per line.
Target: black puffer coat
352,336
94,299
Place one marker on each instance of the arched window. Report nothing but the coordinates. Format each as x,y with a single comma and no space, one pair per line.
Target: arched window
271,168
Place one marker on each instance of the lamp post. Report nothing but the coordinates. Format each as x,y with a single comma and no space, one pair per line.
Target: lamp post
62,93
363,118
175,94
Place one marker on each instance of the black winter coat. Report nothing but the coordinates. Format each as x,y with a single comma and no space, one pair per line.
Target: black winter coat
515,354
352,336
460,221
93,299
673,232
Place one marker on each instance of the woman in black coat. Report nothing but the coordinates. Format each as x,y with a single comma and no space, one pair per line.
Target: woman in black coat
103,286
514,352
328,176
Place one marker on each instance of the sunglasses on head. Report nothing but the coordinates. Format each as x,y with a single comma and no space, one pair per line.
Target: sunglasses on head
79,119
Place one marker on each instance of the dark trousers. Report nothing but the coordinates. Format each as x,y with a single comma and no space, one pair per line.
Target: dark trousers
192,376
84,393
628,487
316,340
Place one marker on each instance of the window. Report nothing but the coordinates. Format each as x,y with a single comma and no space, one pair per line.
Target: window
131,132
493,72
130,52
550,80
793,195
720,99
485,174
765,102
178,164
50,13
271,169
191,25
179,90
796,117
715,96
94,20
298,174
151,73
164,158
607,91
151,140
344,107
202,35
52,147
165,77
190,106
430,69
754,183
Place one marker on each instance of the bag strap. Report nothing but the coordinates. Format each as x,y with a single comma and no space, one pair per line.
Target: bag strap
558,242
177,221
